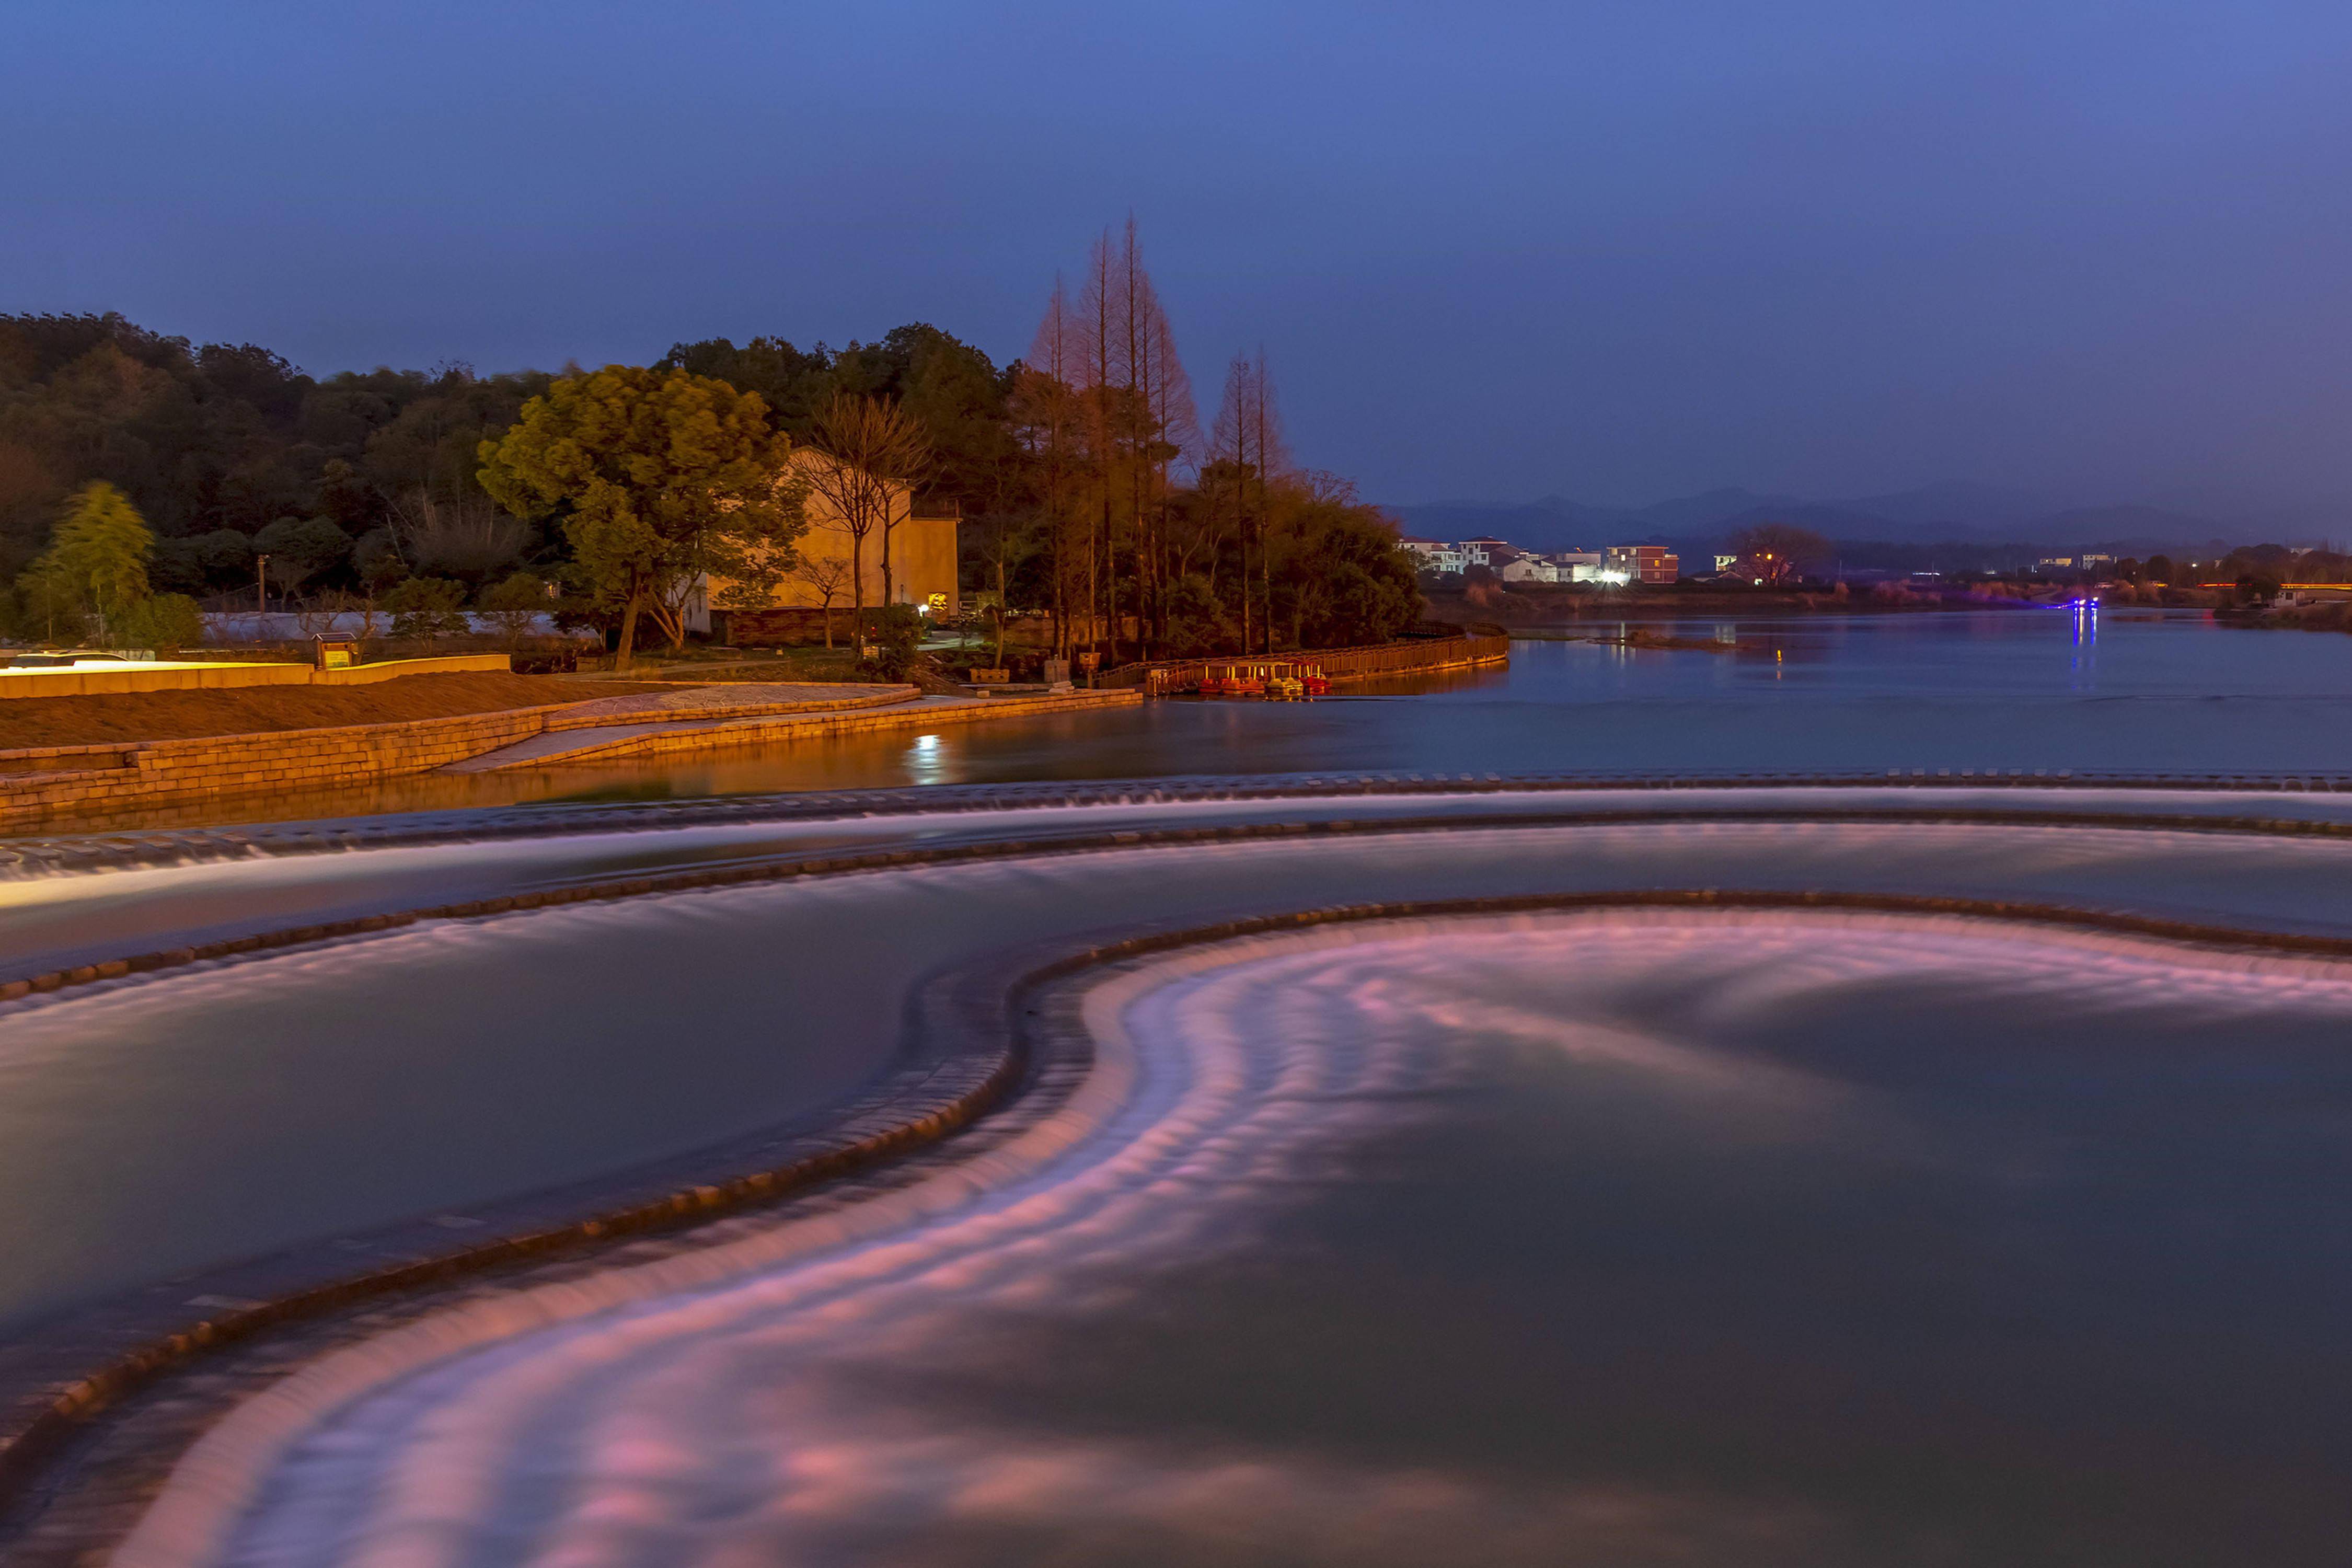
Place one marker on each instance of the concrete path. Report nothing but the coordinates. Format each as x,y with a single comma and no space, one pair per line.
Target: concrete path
735,698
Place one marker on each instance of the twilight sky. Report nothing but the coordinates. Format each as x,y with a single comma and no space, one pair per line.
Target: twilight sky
1612,249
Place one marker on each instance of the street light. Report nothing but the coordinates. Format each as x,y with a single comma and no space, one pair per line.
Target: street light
260,596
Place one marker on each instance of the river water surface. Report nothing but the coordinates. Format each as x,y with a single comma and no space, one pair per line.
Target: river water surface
2130,690
1618,1237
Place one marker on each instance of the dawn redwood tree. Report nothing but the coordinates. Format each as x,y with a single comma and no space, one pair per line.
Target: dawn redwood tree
660,481
1101,374
1138,420
1157,427
1248,435
870,454
1045,407
1176,423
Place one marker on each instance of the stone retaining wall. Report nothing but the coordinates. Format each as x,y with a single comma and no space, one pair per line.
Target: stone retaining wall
790,726
61,778
100,681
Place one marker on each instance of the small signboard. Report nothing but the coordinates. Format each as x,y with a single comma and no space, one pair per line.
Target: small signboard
332,652
1090,660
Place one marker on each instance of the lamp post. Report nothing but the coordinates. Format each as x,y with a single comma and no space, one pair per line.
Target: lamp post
260,596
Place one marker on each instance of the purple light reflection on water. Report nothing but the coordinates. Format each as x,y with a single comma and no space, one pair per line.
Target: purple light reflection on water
1620,1240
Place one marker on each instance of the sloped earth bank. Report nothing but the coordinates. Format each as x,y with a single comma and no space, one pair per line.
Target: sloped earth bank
1623,1226
260,709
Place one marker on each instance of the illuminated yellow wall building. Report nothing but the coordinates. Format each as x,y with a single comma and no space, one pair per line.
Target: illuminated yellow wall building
923,570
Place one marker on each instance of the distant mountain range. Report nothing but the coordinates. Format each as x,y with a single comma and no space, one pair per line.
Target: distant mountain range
1984,518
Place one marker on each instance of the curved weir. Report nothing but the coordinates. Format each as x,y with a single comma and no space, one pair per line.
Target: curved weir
867,1385
1576,1114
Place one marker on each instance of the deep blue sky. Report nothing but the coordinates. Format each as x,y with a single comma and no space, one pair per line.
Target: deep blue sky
1616,250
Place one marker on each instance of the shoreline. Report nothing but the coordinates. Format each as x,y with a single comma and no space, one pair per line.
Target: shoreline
1517,610
51,786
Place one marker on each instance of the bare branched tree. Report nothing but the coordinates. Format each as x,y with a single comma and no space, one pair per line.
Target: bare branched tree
825,576
469,534
1775,553
870,456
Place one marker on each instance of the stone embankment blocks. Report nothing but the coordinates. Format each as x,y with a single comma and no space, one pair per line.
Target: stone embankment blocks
154,772
101,681
838,719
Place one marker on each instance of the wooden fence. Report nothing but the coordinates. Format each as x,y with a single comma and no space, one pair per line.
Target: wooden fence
1338,663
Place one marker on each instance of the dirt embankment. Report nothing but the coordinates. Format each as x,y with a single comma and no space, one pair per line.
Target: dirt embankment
258,710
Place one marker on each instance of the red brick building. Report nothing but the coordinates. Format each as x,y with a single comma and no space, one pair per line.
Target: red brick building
1644,563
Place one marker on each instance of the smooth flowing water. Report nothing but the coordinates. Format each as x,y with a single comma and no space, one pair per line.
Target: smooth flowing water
184,1117
1619,1237
1615,1239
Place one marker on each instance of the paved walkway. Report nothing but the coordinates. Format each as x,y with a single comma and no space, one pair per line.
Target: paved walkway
739,697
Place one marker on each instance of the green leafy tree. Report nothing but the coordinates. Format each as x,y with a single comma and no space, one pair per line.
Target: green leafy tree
223,558
164,622
299,548
661,481
513,605
427,607
895,632
97,560
1338,578
49,610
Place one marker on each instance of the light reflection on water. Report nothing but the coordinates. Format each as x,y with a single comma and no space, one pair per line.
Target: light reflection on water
184,1116
1620,1240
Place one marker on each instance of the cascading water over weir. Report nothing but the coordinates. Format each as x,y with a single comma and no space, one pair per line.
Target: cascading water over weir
1492,1172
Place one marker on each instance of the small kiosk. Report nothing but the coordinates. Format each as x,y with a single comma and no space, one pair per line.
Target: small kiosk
331,651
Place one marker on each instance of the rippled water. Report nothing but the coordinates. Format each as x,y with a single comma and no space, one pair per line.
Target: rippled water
1620,1240
186,1116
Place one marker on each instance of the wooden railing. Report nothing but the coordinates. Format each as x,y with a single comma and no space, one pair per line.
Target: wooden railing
1338,663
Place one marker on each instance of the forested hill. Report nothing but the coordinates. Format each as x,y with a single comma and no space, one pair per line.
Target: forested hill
229,438
224,437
